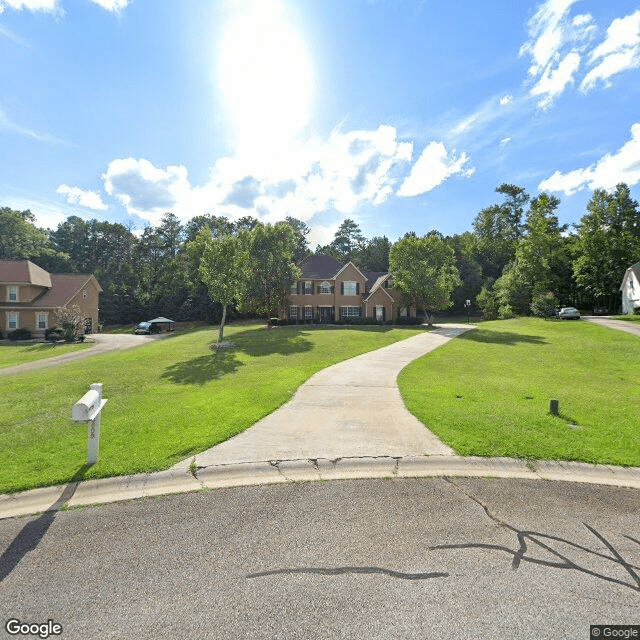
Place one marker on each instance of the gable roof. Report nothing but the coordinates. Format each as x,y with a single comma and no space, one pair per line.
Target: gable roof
23,271
635,269
63,288
354,266
319,268
378,285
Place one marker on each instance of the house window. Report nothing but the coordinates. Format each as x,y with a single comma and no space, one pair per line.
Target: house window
12,295
42,321
380,314
350,312
350,288
325,287
84,294
308,312
308,288
294,288
293,313
403,312
12,321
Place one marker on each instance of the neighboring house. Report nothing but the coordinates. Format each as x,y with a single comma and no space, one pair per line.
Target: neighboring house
328,290
30,297
631,288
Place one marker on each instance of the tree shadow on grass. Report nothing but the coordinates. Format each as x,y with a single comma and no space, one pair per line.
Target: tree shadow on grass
203,369
499,337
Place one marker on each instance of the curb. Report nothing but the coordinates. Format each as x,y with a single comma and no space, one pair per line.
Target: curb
172,481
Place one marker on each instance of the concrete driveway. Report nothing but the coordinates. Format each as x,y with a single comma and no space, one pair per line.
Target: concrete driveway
351,409
100,343
621,325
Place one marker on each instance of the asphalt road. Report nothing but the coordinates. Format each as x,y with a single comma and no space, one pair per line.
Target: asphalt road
397,558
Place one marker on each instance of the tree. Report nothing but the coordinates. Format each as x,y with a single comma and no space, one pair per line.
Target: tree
497,229
223,268
424,270
269,251
20,239
607,243
301,231
348,242
70,320
375,254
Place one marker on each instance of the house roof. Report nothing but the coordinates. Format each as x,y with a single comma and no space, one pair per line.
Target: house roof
635,269
319,268
161,320
23,271
63,288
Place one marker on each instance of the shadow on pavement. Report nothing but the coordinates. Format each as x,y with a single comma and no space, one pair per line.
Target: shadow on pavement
33,532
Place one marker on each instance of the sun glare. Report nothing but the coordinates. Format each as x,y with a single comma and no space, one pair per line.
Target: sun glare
265,76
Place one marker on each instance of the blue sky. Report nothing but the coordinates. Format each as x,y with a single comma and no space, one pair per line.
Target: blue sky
401,114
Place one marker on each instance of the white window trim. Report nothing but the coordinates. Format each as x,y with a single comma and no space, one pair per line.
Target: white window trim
308,312
350,312
326,285
355,287
17,315
307,290
15,288
293,312
46,320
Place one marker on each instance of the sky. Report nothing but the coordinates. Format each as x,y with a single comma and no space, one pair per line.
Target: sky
403,115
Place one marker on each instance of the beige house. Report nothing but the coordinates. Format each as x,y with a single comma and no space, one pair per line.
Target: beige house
328,290
30,297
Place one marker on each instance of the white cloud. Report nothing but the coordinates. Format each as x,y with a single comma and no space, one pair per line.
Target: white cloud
7,124
506,100
504,142
555,45
345,171
114,6
12,36
618,52
432,168
554,81
606,173
48,6
88,199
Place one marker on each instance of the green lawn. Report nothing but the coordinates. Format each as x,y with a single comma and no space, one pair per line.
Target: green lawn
167,400
487,393
14,353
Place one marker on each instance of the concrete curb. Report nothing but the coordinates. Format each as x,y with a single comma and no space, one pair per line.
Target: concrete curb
173,481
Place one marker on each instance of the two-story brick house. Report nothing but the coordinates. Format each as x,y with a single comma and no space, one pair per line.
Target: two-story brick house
31,296
329,290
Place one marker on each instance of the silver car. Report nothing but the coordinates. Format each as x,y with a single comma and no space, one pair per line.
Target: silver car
569,313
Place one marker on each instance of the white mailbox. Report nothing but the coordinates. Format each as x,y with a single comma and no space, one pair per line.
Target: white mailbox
88,409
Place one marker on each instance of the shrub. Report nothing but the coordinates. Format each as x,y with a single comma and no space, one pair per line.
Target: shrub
71,321
273,322
488,303
19,334
53,334
1,336
409,321
544,304
636,311
505,311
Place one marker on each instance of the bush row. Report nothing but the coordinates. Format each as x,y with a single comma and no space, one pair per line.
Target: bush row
275,322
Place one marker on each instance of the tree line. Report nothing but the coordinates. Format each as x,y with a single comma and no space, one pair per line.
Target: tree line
516,255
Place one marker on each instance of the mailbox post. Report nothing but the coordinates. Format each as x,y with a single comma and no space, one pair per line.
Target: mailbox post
88,410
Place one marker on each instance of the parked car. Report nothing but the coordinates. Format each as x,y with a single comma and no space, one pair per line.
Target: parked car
600,311
569,313
145,328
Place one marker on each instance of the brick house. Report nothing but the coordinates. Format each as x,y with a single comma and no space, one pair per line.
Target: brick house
30,297
328,290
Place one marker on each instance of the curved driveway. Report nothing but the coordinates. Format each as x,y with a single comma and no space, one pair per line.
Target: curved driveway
103,342
621,325
349,410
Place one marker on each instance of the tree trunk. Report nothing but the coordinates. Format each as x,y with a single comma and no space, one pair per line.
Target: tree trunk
224,317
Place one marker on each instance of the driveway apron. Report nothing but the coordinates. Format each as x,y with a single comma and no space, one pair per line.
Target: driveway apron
351,409
621,325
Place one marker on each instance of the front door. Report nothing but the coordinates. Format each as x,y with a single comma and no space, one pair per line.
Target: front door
326,314
380,314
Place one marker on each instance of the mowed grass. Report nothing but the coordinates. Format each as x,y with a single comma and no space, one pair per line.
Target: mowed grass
15,353
627,318
167,400
487,392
